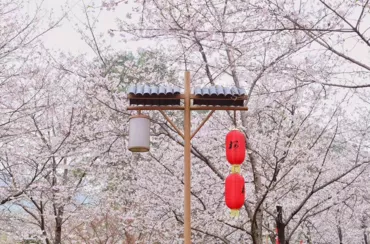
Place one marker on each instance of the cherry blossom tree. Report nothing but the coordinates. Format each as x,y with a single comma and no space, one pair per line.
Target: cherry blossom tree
257,50
307,128
20,38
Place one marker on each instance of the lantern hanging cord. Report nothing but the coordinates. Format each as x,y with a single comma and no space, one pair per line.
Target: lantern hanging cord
235,118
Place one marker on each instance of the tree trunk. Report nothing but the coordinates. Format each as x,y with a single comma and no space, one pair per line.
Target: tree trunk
340,235
42,226
58,226
59,211
280,226
257,228
365,238
58,234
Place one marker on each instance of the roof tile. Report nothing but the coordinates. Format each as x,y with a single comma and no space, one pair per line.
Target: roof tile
200,93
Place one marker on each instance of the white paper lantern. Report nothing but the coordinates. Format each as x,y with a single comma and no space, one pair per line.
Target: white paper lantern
139,134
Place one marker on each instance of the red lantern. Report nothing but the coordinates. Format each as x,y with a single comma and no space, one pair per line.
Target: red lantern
234,193
235,149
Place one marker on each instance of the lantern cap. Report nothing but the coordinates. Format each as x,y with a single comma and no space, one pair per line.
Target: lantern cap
235,128
139,116
138,149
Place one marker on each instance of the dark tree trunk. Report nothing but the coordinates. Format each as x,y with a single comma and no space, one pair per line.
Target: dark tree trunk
42,226
365,238
58,226
280,226
340,235
58,234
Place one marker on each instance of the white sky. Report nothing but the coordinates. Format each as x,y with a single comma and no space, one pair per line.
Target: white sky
66,37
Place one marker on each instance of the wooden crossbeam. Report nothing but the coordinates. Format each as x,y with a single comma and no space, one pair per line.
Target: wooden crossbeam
182,96
191,108
155,108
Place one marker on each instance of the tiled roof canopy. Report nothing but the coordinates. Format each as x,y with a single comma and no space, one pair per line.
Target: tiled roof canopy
218,92
212,95
154,92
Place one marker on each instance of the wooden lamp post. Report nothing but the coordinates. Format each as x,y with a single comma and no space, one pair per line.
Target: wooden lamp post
217,98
